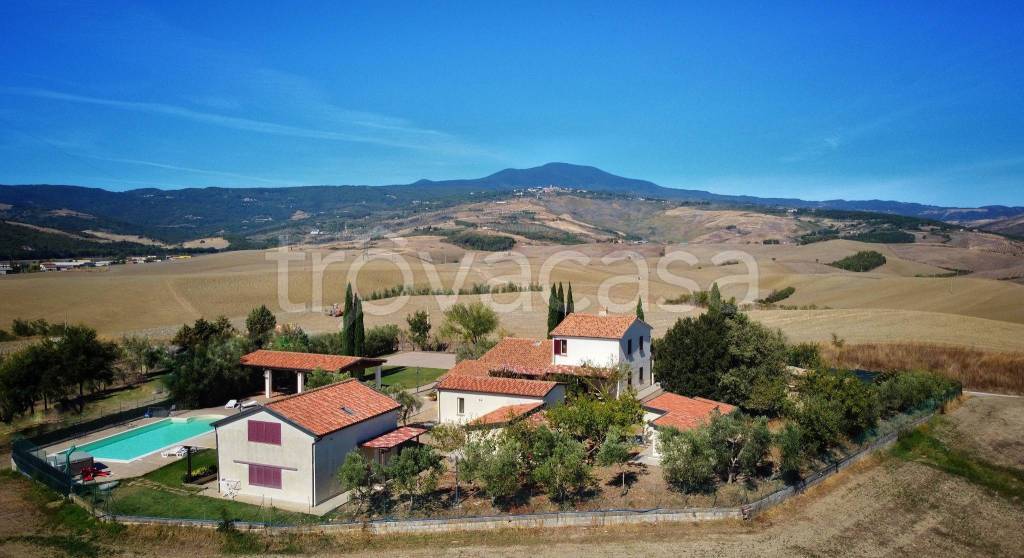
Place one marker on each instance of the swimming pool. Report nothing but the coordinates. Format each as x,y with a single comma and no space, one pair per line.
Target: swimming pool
140,442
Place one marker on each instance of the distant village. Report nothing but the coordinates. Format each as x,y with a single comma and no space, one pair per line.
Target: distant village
37,266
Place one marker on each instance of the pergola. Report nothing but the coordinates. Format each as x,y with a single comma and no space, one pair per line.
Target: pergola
303,363
383,444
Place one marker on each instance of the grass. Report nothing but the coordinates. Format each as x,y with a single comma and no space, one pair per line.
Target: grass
146,500
976,369
406,376
135,499
923,446
172,474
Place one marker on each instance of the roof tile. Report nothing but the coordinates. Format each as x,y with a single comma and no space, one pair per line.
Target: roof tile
590,325
487,384
331,408
685,413
287,360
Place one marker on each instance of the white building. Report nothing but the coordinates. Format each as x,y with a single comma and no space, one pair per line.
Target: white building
517,372
290,449
605,342
670,410
464,398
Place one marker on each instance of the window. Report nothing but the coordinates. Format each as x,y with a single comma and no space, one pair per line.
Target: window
264,475
561,346
462,405
265,432
629,346
641,374
640,343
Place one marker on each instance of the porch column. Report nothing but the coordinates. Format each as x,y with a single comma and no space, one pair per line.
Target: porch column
301,381
376,375
268,377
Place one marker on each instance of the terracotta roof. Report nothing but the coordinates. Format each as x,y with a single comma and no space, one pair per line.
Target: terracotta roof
531,354
471,368
685,413
506,414
286,360
486,384
590,325
394,438
331,408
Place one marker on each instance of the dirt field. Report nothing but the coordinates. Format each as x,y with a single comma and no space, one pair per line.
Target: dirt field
883,507
887,304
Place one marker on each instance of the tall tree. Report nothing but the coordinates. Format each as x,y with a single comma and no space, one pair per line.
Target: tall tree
347,333
640,308
85,360
358,329
260,326
470,323
553,320
615,451
419,328
570,306
561,303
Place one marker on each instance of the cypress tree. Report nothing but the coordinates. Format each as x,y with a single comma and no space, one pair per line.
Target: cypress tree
358,331
715,299
553,320
347,334
570,307
640,308
561,303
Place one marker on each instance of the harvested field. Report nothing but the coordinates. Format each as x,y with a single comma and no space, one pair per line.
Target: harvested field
888,304
975,369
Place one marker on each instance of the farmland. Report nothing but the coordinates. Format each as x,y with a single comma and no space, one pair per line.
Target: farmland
902,300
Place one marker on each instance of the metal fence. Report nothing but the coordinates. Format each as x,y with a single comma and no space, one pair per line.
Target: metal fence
30,460
155,406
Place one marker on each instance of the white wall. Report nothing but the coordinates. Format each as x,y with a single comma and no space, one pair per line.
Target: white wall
611,352
295,452
329,453
479,404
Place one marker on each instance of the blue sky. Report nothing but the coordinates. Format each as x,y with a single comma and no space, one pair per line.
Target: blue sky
899,100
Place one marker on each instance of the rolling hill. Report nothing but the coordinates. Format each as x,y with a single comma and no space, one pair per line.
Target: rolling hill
175,216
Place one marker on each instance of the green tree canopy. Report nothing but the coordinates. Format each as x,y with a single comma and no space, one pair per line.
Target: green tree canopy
260,326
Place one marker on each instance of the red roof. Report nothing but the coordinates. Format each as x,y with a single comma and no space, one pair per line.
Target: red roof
394,438
487,384
331,408
517,352
286,360
590,325
685,413
471,368
506,414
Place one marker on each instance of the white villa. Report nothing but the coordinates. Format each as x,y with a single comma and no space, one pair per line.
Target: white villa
290,449
520,376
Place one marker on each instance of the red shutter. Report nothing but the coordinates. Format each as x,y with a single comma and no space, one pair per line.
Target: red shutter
264,475
554,346
265,432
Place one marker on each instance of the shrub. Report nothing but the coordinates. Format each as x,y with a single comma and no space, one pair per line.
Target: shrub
777,296
905,391
484,242
833,404
791,453
861,261
804,355
687,459
381,340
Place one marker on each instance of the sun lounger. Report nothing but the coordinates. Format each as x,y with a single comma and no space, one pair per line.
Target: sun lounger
177,451
249,403
231,404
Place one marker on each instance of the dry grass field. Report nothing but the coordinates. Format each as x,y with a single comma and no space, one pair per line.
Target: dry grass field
885,305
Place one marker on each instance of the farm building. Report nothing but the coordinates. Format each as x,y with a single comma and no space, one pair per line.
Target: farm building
669,410
290,449
505,380
485,400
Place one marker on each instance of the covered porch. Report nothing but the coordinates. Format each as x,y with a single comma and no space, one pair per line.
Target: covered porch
301,364
382,446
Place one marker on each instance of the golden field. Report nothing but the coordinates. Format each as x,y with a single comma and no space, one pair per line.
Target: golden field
892,303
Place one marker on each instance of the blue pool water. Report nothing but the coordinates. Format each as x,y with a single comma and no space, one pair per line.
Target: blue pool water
137,442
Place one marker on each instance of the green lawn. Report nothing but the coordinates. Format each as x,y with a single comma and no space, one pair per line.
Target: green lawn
151,502
184,501
407,377
172,474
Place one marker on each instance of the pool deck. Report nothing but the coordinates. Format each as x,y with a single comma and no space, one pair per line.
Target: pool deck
143,465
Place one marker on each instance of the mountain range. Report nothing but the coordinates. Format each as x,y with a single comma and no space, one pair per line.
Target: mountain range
178,215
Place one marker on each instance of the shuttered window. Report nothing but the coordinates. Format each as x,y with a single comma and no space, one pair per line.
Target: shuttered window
264,475
561,346
265,432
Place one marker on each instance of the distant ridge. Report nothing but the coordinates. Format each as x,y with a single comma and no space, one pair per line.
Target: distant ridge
176,215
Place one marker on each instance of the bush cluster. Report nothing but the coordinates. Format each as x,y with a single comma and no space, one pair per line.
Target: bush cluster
865,260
